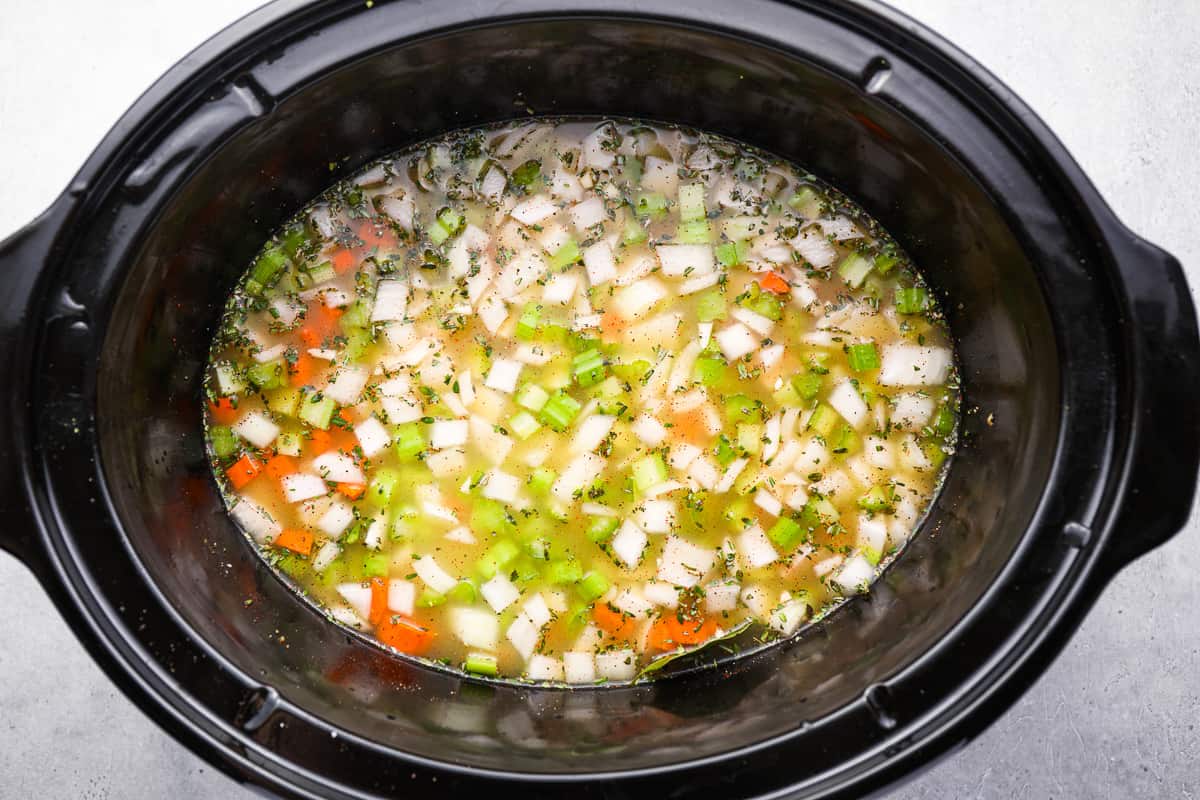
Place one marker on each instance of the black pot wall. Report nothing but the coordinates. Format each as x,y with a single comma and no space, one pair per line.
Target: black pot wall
255,678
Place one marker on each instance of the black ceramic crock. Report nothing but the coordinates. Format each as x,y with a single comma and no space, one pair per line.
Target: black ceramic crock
1077,341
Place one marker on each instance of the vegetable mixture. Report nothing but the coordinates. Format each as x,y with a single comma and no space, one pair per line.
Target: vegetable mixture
559,401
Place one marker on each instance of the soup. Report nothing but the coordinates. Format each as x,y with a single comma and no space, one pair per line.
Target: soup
560,401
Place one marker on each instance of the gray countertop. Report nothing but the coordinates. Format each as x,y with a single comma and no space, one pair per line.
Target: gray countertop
1115,716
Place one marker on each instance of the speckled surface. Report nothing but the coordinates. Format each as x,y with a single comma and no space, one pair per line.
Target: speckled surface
1114,717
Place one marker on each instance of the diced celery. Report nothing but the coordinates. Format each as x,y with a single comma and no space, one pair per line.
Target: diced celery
267,268
823,419
288,444
807,384
740,408
322,272
943,420
489,517
844,440
430,599
863,357
559,411
634,233
481,664
697,232
786,533
284,401
541,479
451,220
730,254
854,268
877,498
591,586
566,255
934,452
563,572
709,370
818,512
744,227
375,565
911,300
271,375
691,202
588,368
295,239
229,379
382,488
357,342
408,440
224,442
648,471
749,438
497,558
633,371
806,201
601,529
885,261
356,315
710,306
531,397
739,514
463,592
316,410
724,451
526,174
527,324
523,424
651,204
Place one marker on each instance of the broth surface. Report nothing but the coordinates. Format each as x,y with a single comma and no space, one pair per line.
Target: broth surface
558,401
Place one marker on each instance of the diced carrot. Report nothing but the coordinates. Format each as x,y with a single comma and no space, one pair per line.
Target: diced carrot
344,261
614,623
379,596
692,425
244,470
352,490
348,414
320,441
296,540
670,633
375,235
310,338
224,411
774,282
404,634
320,323
611,323
301,370
279,466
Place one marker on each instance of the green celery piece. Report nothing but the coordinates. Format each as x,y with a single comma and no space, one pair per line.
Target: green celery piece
541,479
863,357
382,488
710,306
564,572
697,232
877,498
943,420
481,664
912,300
489,517
407,440
709,370
463,592
648,471
691,202
591,586
854,268
807,384
527,324
271,375
224,442
651,204
317,410
497,558
786,533
559,411
523,424
823,419
375,565
566,255
526,174
588,367
601,529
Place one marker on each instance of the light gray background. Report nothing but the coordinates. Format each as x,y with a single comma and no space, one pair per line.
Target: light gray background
1115,716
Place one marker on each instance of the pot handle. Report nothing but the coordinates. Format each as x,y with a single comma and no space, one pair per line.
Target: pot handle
24,257
1164,455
